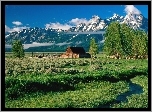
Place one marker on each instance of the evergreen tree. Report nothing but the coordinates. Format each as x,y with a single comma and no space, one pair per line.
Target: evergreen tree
93,47
18,49
112,44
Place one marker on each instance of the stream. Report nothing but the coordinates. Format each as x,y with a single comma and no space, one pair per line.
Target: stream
133,89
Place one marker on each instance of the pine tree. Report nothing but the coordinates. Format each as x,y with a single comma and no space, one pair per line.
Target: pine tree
18,49
93,47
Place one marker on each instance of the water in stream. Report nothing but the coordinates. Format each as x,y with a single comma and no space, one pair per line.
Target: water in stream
133,89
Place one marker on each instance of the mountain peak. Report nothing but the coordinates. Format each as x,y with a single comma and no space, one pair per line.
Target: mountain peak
95,17
136,20
115,15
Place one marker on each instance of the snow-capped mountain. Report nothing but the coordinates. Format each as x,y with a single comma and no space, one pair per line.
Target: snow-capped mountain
50,39
135,21
94,24
115,17
61,38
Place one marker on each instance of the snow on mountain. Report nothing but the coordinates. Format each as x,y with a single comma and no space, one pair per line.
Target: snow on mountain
136,21
95,24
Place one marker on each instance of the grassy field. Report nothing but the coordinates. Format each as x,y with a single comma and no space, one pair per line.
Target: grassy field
27,54
74,83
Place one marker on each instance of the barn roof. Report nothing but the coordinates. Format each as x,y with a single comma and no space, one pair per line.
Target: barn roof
78,50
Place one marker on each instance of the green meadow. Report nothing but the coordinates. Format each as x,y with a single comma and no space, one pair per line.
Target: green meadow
75,83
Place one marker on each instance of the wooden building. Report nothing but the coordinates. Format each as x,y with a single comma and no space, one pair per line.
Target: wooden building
75,52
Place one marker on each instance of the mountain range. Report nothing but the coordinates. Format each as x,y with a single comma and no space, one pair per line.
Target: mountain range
48,39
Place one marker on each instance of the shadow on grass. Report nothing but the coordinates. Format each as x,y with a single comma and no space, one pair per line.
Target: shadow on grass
32,87
14,89
126,76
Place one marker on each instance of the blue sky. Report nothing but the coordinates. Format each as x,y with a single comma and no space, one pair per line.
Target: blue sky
18,17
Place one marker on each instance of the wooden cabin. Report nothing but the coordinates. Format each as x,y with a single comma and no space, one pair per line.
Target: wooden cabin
75,52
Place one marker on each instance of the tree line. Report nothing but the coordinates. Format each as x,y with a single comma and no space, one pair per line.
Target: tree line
125,41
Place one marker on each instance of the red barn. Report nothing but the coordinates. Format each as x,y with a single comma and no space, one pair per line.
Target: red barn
75,52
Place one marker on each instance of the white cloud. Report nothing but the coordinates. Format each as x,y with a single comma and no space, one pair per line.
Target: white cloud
34,44
64,43
58,26
131,9
7,29
77,21
17,27
10,30
17,23
67,25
